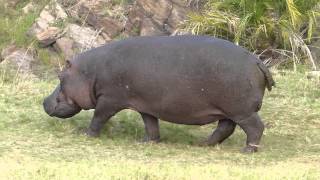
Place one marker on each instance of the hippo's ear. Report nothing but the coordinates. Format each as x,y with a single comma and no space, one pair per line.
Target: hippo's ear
68,64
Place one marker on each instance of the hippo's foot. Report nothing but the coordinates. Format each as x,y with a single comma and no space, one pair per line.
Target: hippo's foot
250,149
253,127
148,139
89,132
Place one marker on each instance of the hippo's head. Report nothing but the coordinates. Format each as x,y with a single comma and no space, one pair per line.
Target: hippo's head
71,95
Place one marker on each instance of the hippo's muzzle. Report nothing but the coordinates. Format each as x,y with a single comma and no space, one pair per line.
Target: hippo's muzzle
61,108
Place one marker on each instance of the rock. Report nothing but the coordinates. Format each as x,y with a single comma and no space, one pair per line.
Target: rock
149,28
182,3
166,14
134,20
65,45
51,15
30,7
158,10
95,17
195,4
19,59
12,3
47,16
57,11
84,37
107,20
68,3
107,25
53,12
48,36
177,16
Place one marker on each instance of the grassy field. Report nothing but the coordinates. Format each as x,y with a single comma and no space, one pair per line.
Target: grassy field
36,146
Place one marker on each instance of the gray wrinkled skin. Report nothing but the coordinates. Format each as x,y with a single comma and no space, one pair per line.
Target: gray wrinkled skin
193,80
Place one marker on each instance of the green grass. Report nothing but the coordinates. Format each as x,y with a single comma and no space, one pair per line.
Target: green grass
14,31
36,146
14,27
14,24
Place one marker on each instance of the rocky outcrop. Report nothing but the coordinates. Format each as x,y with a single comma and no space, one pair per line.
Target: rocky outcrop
96,22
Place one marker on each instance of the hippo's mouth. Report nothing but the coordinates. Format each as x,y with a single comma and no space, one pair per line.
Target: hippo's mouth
64,110
61,109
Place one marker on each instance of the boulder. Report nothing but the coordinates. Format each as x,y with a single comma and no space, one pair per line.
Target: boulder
84,37
166,14
50,16
12,3
68,3
134,20
18,58
158,10
48,36
30,7
149,28
95,16
103,20
178,15
107,25
65,46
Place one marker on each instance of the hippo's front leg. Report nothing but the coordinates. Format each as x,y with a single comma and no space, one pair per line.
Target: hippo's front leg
103,112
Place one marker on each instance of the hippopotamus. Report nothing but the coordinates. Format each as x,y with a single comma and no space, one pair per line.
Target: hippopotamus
191,80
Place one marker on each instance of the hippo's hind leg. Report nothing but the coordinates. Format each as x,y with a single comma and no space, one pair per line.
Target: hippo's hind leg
224,129
151,124
253,127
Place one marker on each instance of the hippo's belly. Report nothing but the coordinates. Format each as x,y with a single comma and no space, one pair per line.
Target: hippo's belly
184,112
193,120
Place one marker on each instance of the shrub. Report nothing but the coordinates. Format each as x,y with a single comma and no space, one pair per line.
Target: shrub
280,26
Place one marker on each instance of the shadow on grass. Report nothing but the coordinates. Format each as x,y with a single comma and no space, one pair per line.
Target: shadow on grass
127,127
125,130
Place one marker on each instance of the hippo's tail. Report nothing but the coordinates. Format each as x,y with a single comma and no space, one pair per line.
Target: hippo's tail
267,75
